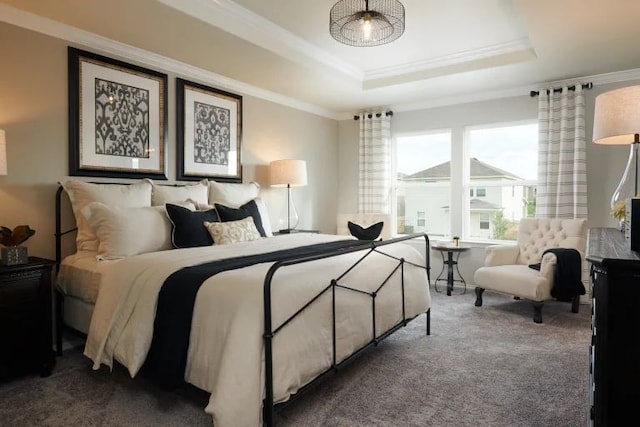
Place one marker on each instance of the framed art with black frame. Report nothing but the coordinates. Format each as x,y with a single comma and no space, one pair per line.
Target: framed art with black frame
209,133
117,118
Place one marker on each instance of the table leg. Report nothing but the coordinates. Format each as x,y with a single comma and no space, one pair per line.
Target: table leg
460,275
444,262
449,273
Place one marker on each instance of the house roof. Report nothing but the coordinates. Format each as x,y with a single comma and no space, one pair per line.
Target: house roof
477,204
483,205
479,169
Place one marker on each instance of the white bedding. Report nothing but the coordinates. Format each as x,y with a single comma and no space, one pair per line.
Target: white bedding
80,276
225,354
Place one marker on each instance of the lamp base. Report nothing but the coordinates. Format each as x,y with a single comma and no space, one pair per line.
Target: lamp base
14,255
628,186
286,231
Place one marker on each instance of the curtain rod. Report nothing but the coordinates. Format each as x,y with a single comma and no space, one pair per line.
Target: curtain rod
370,115
535,93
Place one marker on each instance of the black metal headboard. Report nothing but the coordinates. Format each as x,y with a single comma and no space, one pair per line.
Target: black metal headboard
59,234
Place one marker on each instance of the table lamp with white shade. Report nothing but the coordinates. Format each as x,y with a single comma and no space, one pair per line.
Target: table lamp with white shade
288,173
616,121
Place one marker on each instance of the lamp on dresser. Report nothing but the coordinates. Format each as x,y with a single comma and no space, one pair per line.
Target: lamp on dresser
616,121
288,173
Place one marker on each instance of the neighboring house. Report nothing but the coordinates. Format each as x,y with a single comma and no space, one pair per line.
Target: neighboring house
423,199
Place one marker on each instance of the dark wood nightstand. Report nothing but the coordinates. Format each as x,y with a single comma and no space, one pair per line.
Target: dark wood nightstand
25,318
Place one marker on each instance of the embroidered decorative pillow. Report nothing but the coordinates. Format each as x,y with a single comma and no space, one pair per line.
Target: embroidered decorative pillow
188,228
370,233
250,208
242,230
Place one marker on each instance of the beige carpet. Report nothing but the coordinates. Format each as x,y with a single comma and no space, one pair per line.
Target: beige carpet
487,366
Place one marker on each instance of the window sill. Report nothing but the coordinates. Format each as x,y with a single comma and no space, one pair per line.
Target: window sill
471,242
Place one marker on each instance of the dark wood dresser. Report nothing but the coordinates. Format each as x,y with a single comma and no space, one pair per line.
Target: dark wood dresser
614,375
25,318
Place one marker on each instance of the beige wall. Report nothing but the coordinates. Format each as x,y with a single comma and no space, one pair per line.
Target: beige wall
33,112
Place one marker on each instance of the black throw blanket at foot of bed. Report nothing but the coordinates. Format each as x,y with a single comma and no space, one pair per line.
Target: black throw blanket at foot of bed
167,358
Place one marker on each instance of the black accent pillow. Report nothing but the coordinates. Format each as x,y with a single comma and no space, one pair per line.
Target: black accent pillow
248,209
370,233
187,226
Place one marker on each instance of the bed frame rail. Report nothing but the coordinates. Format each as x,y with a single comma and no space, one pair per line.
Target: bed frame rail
270,332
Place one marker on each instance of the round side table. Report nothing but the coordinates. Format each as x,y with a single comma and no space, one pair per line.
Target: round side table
449,264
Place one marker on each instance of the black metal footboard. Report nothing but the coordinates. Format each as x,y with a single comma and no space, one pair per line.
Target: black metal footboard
270,332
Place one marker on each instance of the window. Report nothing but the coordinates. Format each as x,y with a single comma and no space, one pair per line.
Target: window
503,159
478,186
422,186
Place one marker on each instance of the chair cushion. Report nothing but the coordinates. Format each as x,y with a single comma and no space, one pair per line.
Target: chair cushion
518,280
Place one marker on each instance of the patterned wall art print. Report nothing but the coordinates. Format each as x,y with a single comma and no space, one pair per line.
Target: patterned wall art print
117,118
209,126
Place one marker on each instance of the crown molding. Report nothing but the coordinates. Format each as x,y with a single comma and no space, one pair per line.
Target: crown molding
242,22
596,79
462,99
246,24
520,45
600,79
81,37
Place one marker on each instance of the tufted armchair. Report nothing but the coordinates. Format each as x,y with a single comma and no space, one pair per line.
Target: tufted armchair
506,267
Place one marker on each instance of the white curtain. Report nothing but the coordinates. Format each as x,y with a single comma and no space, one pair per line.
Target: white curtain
374,177
562,166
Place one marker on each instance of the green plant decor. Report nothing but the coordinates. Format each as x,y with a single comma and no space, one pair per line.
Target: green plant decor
17,236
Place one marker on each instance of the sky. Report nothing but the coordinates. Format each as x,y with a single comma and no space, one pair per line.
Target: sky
512,148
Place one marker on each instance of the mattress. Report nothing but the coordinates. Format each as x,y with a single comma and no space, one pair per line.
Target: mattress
80,275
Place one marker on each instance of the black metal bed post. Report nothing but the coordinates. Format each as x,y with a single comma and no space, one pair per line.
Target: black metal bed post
334,361
267,406
59,300
58,234
427,257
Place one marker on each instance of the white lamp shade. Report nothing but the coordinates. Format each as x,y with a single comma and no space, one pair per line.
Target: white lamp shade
617,116
3,153
288,172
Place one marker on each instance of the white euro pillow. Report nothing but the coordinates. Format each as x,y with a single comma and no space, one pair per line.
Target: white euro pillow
236,195
124,232
83,193
163,194
232,195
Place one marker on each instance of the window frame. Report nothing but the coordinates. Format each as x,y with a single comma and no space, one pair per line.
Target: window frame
460,183
393,191
466,142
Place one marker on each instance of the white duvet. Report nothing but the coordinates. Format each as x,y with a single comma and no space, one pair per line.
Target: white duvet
225,354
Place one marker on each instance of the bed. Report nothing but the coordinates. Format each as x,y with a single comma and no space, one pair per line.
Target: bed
279,314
